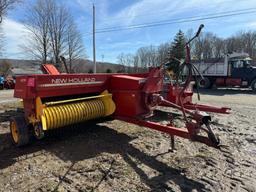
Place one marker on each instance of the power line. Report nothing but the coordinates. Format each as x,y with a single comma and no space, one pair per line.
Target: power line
153,13
174,21
234,11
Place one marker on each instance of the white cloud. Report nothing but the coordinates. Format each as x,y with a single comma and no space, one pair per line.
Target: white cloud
149,11
14,36
251,24
86,5
145,11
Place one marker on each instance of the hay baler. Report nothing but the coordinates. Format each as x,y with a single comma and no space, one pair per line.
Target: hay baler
56,101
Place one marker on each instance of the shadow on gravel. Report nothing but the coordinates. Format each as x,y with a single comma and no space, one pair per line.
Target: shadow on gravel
226,91
90,140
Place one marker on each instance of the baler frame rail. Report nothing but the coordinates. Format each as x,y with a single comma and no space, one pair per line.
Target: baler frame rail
207,108
171,130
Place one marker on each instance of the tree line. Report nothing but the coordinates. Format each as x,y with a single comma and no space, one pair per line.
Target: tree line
207,46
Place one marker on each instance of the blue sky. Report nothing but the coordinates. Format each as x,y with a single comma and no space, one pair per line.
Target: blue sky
123,13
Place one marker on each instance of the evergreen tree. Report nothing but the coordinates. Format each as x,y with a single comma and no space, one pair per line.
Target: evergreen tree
108,71
177,50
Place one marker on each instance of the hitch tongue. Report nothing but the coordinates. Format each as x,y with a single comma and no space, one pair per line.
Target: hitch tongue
214,139
203,118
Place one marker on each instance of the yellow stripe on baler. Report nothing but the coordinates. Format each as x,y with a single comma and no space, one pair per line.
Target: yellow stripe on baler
63,113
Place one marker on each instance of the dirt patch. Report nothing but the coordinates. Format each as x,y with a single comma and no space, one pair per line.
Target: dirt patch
117,156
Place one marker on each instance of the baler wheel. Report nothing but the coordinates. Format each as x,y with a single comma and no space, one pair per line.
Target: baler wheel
38,131
19,131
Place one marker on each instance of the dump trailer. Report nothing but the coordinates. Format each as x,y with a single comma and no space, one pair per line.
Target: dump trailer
234,69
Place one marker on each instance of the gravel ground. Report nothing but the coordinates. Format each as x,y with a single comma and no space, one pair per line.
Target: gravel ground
117,156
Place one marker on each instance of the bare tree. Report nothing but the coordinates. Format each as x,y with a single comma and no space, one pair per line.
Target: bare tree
5,5
58,24
163,50
4,66
204,46
52,33
142,55
1,40
249,41
218,47
136,63
37,23
121,61
127,61
152,55
75,48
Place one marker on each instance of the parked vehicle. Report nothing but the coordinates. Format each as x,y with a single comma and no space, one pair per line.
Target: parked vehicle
234,70
1,82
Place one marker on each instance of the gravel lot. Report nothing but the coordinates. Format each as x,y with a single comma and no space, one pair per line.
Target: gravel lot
117,156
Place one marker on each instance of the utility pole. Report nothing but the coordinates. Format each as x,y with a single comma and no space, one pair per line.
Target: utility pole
94,46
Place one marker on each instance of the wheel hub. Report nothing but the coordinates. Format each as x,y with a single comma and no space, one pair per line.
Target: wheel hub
14,133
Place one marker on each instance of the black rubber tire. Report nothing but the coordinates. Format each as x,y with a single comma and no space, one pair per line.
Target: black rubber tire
22,131
253,85
205,83
1,87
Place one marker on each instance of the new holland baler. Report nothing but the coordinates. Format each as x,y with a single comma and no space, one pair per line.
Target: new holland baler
56,101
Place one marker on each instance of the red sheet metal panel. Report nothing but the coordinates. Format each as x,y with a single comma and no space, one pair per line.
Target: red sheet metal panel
125,82
127,95
220,81
154,81
60,85
172,94
129,103
50,69
233,82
